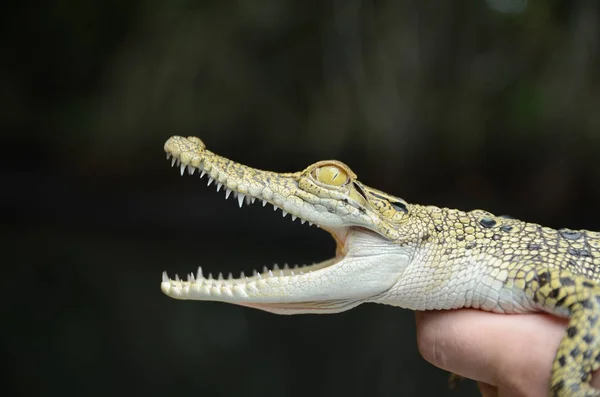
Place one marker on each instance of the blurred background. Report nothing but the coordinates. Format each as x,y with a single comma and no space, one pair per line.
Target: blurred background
491,104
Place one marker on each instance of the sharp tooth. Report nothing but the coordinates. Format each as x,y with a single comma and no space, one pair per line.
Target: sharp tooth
168,156
294,217
283,213
242,275
254,273
178,162
274,208
173,160
281,273
265,269
199,274
219,186
270,273
210,180
202,173
258,275
302,221
285,266
227,193
190,277
275,267
182,168
252,200
264,202
310,223
165,278
230,276
220,277
176,277
296,266
249,200
191,170
210,277
241,199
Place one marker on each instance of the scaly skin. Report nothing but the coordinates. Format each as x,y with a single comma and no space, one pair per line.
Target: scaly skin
411,256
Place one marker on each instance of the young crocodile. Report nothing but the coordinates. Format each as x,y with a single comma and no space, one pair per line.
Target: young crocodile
411,256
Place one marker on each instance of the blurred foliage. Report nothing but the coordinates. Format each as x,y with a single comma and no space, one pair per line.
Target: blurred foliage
387,76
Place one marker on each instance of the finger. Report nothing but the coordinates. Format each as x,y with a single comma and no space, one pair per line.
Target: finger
487,390
511,351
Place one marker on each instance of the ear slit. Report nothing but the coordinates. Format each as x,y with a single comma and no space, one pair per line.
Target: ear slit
359,190
399,206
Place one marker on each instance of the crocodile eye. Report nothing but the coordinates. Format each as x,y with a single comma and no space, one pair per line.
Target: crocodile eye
331,175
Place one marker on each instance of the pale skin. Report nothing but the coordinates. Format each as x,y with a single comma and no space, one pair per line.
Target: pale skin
508,355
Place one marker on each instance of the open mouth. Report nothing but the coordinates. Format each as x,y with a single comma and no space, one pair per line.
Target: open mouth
222,178
326,194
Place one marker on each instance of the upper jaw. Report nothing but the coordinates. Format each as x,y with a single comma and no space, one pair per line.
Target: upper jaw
248,184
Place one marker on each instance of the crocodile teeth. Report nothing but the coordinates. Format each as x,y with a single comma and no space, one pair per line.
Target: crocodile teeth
249,200
191,170
283,213
294,217
190,277
219,185
227,193
302,221
310,223
165,278
270,273
173,161
252,199
274,208
202,173
210,180
182,168
264,202
199,274
168,156
240,199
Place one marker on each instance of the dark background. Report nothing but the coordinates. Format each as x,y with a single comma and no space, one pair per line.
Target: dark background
490,104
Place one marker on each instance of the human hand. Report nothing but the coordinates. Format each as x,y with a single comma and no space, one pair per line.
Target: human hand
509,355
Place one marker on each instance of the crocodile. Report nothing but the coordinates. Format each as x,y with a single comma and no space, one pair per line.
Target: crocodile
417,257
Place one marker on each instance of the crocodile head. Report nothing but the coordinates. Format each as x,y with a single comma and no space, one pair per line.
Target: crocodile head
372,251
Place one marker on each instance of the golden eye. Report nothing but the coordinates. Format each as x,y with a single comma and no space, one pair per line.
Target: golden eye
331,175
